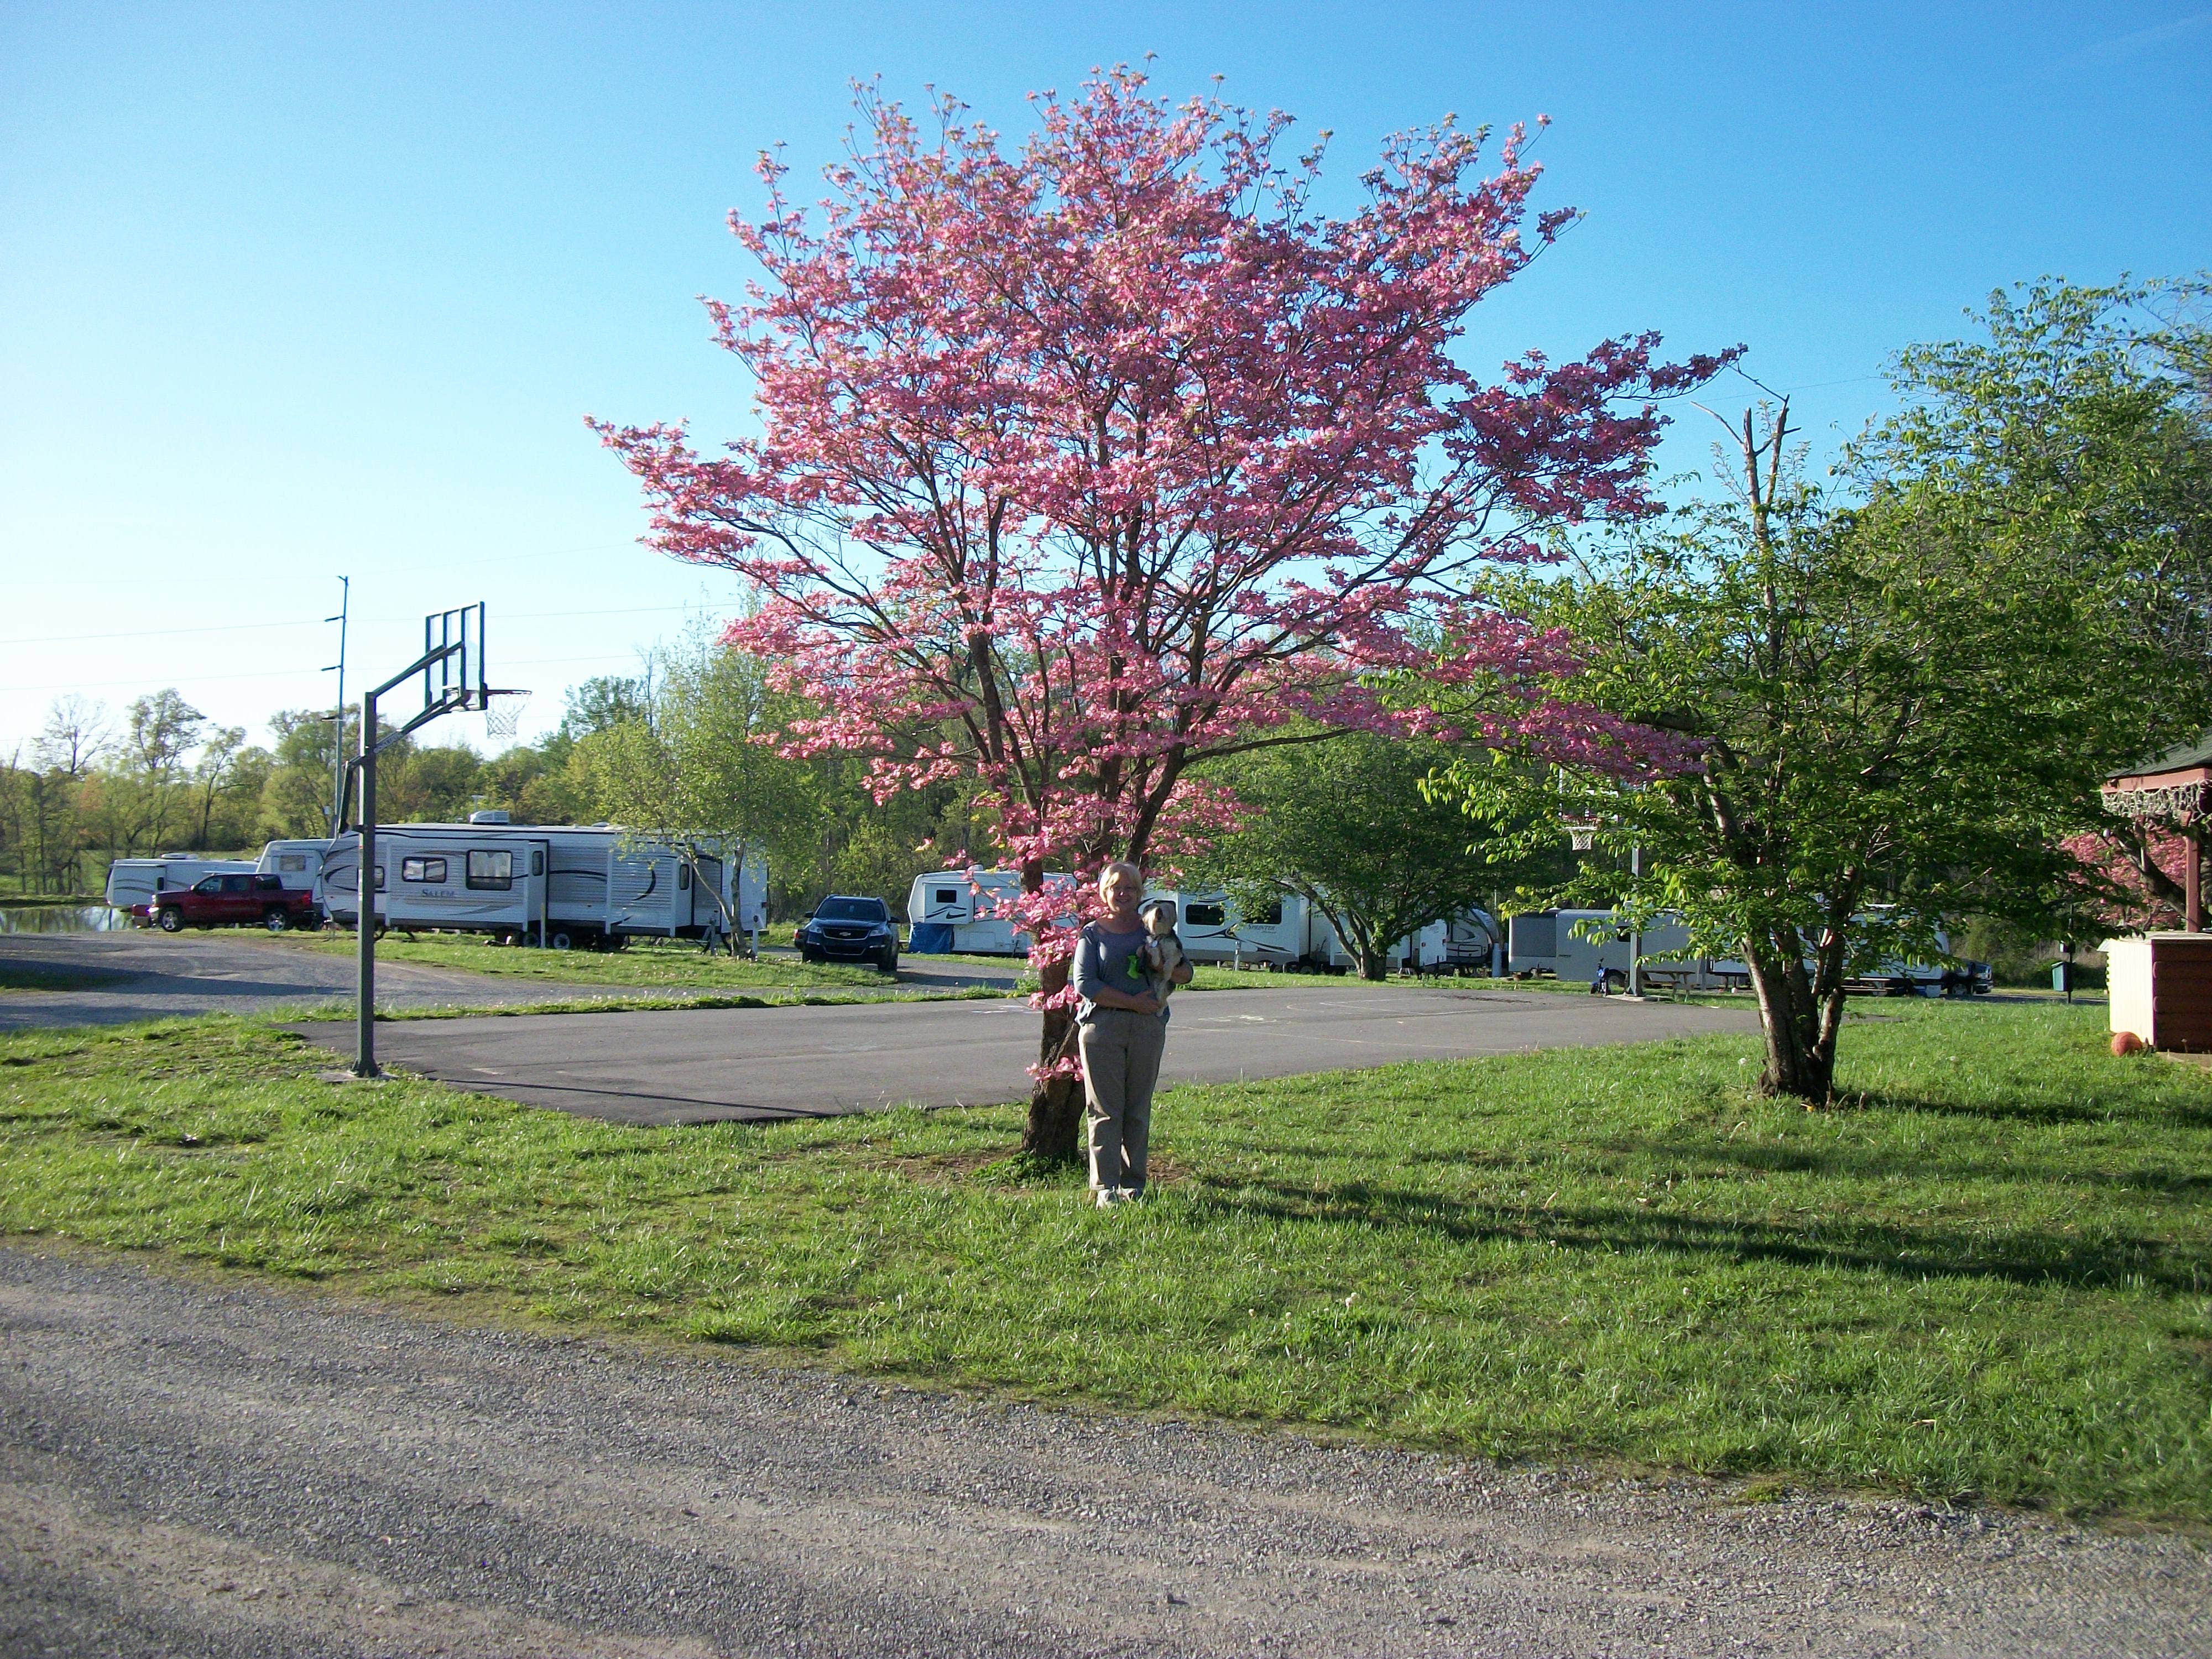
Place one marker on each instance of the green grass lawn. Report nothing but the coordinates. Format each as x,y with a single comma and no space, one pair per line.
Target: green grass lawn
646,962
1990,1272
674,963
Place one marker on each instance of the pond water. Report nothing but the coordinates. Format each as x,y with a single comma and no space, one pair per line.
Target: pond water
60,919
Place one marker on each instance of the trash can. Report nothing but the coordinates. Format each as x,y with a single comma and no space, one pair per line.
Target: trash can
2061,978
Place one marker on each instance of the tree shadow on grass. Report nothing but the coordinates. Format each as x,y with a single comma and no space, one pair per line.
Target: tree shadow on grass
2177,1112
1723,1158
2020,1256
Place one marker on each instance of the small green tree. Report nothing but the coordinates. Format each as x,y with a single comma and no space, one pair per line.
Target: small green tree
699,769
1352,827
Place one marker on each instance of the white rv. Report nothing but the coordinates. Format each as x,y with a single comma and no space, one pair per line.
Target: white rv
297,864
132,882
555,884
1577,946
1559,942
956,912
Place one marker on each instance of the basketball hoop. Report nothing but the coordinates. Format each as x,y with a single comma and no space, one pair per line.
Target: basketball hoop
502,713
1582,836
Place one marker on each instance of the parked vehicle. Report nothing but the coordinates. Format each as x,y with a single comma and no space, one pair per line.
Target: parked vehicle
956,912
560,885
235,899
133,883
1579,945
844,929
297,864
953,912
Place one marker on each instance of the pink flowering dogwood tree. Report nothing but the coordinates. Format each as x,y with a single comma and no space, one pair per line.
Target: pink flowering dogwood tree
1083,463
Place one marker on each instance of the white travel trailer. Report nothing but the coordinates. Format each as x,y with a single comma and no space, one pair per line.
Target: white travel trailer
1576,946
132,882
1213,928
297,864
955,913
556,884
1557,942
1289,933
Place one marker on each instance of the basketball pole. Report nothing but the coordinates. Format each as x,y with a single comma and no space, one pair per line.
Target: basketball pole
364,1057
448,698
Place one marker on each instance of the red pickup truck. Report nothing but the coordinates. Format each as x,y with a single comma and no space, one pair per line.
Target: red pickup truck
224,901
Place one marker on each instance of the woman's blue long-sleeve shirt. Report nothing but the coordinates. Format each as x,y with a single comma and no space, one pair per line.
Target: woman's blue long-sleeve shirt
1104,959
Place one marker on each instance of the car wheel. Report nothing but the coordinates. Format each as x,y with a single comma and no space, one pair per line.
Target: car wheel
275,920
170,919
890,964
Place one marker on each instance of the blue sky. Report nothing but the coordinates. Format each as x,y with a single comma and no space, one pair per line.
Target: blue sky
287,292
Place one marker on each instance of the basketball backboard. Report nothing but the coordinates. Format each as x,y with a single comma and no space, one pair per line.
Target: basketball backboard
453,675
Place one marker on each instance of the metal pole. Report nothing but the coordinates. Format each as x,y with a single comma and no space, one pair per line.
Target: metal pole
1635,935
338,737
364,1062
2192,881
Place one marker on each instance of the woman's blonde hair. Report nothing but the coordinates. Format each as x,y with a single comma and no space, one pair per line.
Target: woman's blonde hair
1120,863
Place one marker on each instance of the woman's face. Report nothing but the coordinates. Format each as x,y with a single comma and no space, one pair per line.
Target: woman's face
1120,890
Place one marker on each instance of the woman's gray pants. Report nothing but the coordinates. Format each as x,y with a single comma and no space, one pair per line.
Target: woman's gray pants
1121,1063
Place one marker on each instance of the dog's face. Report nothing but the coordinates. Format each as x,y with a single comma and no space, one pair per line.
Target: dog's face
1159,919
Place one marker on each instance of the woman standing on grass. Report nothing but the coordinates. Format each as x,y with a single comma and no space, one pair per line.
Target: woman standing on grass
1121,1028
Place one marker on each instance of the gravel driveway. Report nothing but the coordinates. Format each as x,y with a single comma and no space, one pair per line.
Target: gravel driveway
189,1467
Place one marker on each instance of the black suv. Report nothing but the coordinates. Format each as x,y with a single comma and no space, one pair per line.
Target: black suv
844,929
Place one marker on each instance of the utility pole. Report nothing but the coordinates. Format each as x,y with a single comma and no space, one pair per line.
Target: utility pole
338,720
1635,934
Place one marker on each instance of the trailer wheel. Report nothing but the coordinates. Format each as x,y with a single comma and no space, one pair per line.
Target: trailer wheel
275,920
169,919
561,941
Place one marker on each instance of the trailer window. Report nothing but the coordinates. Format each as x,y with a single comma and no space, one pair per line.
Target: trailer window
945,895
291,863
491,871
683,878
1269,914
1201,913
419,869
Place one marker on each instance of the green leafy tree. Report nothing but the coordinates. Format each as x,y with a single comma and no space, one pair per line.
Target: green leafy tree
699,769
1895,707
1352,827
300,790
2070,446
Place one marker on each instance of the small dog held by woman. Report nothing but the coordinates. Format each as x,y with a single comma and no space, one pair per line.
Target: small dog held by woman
1163,951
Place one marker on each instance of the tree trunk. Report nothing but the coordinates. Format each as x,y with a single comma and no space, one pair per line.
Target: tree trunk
1374,964
1801,1034
1054,1131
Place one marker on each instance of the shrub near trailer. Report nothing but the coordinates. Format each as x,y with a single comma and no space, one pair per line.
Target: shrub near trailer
1083,465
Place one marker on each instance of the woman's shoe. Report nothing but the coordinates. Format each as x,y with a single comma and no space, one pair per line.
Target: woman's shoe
1108,1197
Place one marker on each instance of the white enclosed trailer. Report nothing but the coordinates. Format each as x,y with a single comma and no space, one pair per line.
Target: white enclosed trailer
132,882
557,884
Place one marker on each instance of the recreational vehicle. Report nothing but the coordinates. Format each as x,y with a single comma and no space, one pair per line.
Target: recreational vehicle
956,912
1578,945
1559,942
297,864
132,882
555,884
